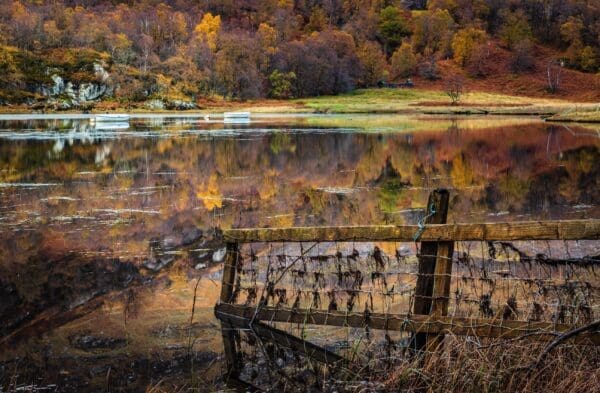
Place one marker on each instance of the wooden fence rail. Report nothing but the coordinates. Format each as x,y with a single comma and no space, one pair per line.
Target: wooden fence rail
501,231
429,321
426,324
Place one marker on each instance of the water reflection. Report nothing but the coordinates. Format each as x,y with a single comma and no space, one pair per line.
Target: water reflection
113,208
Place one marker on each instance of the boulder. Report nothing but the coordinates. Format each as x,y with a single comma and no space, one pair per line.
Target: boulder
91,91
101,73
57,88
62,104
219,255
154,104
181,105
59,85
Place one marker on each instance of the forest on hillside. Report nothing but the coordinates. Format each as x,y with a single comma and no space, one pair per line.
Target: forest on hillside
137,50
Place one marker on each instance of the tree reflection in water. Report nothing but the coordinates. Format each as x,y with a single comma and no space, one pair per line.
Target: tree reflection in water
145,197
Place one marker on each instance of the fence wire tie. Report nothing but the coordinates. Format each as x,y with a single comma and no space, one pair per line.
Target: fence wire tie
421,222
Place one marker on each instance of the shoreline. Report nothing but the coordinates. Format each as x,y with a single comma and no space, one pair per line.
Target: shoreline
545,115
412,102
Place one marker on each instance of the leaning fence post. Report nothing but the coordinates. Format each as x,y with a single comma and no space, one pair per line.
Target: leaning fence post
436,213
231,258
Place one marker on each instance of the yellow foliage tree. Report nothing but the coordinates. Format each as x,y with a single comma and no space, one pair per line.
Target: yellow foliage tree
403,61
208,29
465,43
373,62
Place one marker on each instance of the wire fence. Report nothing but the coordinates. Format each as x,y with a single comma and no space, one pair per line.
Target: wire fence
549,281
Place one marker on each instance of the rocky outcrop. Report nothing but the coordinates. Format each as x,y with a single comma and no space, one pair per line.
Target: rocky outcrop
180,105
62,94
154,105
177,105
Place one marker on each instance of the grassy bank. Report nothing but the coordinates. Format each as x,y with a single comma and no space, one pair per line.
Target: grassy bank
578,116
436,102
409,101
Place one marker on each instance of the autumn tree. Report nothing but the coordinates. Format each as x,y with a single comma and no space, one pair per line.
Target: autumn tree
433,31
336,57
466,42
267,36
523,56
571,35
236,67
393,27
404,61
515,28
120,48
450,5
267,42
588,59
187,78
372,62
428,66
24,27
208,30
53,36
11,76
147,56
325,64
282,84
317,21
454,88
168,30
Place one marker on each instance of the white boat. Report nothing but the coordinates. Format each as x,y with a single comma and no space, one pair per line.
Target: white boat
236,115
236,120
111,125
116,117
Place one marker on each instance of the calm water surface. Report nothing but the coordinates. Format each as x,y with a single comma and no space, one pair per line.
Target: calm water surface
89,211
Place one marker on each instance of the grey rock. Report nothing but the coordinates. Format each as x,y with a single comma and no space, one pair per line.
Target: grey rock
154,104
91,91
60,105
101,73
70,91
202,255
219,255
82,93
169,242
59,85
88,342
157,265
191,236
180,105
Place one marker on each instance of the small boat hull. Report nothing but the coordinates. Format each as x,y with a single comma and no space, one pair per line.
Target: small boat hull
239,120
111,125
236,115
112,118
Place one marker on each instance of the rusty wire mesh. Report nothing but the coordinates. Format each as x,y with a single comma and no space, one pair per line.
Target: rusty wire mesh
551,281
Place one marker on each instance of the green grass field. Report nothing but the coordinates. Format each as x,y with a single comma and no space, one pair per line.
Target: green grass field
428,101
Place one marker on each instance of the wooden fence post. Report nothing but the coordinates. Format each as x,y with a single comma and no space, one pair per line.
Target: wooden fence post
436,213
229,267
441,289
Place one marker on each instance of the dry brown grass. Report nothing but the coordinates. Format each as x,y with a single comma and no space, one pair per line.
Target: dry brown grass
500,366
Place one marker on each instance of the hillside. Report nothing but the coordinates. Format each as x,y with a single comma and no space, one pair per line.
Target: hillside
184,54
